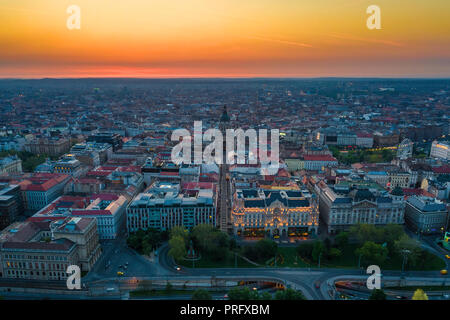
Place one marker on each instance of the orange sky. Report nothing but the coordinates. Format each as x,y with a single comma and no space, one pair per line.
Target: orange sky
224,38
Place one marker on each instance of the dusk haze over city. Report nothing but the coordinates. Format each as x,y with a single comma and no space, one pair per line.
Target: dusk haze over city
224,159
224,38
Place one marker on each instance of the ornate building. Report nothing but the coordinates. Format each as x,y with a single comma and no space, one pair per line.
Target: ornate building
339,209
277,212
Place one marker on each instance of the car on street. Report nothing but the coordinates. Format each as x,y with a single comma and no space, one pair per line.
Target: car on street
120,273
444,272
447,256
177,268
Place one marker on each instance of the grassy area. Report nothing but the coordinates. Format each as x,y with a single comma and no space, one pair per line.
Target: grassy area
362,155
348,259
228,262
288,258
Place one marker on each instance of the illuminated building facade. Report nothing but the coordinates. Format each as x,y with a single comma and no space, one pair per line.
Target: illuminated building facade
277,212
440,150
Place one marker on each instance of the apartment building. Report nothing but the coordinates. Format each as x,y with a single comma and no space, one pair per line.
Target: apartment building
166,205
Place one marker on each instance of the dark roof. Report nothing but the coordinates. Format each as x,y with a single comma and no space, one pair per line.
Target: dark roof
291,201
57,245
342,200
384,200
363,194
397,191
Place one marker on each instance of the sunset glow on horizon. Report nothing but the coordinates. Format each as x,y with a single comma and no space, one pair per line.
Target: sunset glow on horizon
224,38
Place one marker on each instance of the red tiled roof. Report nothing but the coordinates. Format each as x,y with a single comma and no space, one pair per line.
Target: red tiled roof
197,185
42,182
416,192
130,169
445,169
91,212
319,157
45,218
166,173
98,173
104,196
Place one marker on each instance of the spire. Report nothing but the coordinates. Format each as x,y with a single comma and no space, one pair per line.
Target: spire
224,117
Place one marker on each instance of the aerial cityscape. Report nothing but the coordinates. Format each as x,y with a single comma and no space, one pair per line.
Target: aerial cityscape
218,178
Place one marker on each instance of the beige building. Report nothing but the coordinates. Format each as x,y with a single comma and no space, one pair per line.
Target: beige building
83,232
10,165
400,179
51,147
295,164
42,250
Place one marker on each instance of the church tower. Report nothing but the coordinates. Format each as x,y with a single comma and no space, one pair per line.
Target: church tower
224,194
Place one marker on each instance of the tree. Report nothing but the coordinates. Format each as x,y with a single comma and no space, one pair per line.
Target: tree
419,294
169,287
318,250
334,253
392,232
372,252
239,293
366,232
305,249
265,296
211,241
377,294
179,231
201,294
177,247
413,246
289,294
266,249
341,240
327,243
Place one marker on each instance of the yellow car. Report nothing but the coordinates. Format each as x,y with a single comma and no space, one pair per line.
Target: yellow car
447,256
444,272
276,237
120,273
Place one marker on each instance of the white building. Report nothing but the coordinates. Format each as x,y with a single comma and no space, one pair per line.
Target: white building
426,215
440,150
165,206
341,211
